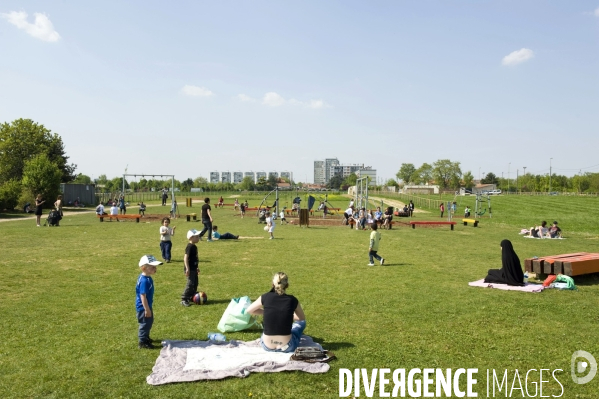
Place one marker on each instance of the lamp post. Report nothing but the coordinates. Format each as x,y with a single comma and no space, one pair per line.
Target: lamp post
550,174
524,174
508,176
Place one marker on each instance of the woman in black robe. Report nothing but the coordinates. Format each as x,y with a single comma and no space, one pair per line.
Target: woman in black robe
511,270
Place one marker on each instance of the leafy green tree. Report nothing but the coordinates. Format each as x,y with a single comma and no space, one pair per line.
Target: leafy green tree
22,140
490,178
82,179
391,183
10,192
406,172
41,176
200,182
350,180
247,184
446,173
468,179
335,182
423,175
186,185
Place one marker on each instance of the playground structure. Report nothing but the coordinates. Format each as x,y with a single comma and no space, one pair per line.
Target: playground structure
361,195
479,209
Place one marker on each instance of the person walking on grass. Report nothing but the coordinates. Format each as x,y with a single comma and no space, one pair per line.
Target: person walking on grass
442,208
375,238
191,261
166,232
144,299
207,220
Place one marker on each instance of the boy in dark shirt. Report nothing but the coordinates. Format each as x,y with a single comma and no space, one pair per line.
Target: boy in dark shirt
192,270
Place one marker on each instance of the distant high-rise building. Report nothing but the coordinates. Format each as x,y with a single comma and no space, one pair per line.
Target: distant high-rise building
275,174
367,171
214,177
286,175
259,175
345,170
225,177
319,175
250,174
237,177
322,170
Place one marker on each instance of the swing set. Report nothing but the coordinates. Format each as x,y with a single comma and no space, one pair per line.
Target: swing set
479,208
174,208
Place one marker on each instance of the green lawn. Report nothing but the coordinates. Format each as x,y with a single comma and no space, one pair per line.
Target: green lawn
69,327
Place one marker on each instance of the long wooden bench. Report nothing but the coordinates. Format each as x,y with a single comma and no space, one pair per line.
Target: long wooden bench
574,264
402,214
473,221
413,223
117,217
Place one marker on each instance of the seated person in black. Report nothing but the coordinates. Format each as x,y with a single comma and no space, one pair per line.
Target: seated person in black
511,270
554,231
284,319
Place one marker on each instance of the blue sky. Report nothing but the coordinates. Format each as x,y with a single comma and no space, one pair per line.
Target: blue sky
186,88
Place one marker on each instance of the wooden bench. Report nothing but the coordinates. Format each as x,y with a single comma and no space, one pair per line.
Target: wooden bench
117,217
402,214
473,221
431,222
574,264
192,215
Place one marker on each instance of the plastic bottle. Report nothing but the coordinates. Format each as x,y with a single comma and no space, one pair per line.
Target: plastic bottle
216,337
526,278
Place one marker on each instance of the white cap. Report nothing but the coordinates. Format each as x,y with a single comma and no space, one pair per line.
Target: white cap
149,260
192,233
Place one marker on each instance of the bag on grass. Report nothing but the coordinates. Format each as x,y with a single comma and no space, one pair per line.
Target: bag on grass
569,282
236,318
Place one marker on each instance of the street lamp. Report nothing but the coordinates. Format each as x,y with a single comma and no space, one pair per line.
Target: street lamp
508,176
550,174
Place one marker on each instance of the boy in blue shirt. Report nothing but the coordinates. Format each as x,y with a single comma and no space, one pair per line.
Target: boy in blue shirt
144,298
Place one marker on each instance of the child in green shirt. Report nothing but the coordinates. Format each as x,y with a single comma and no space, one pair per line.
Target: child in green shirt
375,238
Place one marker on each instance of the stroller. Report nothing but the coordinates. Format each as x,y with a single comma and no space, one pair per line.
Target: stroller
53,218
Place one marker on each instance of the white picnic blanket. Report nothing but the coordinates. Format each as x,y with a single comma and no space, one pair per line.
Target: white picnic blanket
529,287
181,361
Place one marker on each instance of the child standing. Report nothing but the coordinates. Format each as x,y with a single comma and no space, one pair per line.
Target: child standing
375,237
166,232
144,298
270,224
192,270
282,216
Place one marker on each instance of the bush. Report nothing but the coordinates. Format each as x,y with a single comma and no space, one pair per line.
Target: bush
9,194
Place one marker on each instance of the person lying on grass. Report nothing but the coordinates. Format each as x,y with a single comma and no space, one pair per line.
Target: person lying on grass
284,319
227,236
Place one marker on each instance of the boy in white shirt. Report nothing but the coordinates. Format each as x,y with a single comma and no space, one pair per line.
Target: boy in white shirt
282,216
270,224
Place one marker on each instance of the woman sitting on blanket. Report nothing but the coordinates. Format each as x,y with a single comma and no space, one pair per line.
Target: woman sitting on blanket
284,320
539,231
511,270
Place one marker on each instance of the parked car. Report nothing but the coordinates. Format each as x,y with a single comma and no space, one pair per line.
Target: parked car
495,192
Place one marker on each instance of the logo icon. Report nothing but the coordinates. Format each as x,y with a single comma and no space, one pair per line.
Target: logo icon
579,367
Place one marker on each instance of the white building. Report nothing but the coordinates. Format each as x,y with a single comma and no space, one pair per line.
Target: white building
259,175
367,172
214,177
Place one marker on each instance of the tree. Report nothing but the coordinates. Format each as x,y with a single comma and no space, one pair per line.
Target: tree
490,178
200,182
22,140
423,174
406,172
246,184
391,183
9,194
350,180
468,179
186,185
41,176
335,182
82,179
447,173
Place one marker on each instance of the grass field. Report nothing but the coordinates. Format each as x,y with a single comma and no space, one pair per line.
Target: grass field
69,327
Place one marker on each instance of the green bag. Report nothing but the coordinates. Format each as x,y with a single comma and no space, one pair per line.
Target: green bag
236,318
561,278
